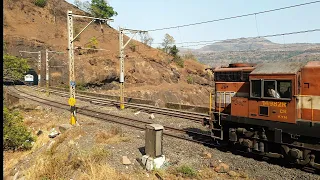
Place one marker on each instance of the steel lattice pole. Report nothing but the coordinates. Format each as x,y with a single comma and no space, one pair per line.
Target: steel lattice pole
72,100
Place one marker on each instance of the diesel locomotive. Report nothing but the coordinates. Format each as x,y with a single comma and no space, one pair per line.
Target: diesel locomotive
272,109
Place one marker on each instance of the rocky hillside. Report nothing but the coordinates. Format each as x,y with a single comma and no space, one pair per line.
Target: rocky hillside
149,73
254,50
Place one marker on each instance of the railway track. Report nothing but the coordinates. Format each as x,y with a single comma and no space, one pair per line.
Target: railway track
193,116
192,136
188,135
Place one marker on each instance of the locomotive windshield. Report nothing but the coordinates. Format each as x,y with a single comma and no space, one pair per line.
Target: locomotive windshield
278,89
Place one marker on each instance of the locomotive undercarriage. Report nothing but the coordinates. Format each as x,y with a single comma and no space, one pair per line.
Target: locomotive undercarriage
265,141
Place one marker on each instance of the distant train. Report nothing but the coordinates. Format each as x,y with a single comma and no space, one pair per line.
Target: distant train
272,109
28,80
31,78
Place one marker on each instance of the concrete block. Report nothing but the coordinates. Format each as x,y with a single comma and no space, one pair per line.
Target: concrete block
64,127
152,163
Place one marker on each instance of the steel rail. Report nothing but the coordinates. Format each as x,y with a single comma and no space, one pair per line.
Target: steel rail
197,117
112,117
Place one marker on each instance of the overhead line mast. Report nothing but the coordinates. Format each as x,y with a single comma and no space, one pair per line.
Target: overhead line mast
71,39
48,66
121,49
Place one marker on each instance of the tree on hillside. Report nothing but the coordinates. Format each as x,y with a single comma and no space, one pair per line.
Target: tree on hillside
14,68
146,39
100,8
97,8
84,6
167,42
174,51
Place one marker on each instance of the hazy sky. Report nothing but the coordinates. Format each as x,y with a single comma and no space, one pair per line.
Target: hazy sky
153,14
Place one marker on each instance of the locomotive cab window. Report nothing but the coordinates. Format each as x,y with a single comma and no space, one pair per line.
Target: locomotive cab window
270,89
284,88
256,88
273,89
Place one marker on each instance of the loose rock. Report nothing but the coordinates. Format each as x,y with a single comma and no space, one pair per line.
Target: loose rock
213,164
71,142
22,178
233,174
206,154
16,175
243,175
53,133
40,108
28,107
137,113
222,168
125,160
39,133
50,145
152,116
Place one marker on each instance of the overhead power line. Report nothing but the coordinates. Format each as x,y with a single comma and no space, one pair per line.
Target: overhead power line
234,17
204,43
194,42
265,36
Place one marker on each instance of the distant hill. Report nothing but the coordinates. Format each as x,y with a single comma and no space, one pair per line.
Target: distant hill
253,50
239,45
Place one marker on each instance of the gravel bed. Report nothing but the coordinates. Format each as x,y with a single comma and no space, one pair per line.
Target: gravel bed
177,151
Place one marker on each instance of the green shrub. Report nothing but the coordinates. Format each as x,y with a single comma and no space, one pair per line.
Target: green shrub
81,87
179,61
132,46
93,43
14,68
40,3
189,80
15,134
186,171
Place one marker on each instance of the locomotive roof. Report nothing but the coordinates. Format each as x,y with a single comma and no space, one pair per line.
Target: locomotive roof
233,69
278,68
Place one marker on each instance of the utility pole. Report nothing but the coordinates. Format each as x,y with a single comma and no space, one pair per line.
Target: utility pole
48,66
121,49
39,63
47,71
71,39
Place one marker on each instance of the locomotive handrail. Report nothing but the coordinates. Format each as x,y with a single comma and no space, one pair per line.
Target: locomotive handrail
220,107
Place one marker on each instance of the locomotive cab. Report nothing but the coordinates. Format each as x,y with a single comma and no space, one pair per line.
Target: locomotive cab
270,95
270,108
